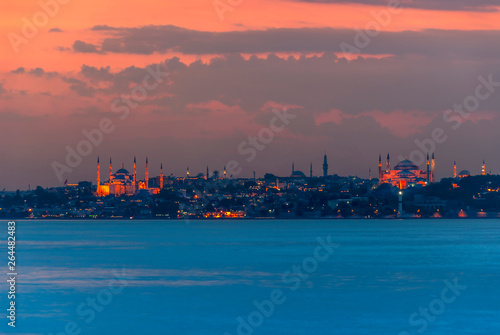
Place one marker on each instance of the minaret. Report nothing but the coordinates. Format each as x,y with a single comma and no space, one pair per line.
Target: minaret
98,174
483,170
455,169
225,172
161,176
380,176
147,175
325,166
135,175
311,170
388,164
428,170
187,172
433,169
110,170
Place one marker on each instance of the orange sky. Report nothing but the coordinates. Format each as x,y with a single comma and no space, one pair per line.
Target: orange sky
76,17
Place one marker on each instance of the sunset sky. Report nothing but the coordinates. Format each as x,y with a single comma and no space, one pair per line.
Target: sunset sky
231,63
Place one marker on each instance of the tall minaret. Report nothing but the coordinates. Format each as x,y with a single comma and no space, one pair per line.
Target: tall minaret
455,169
135,175
380,176
325,166
225,172
388,164
110,171
161,176
483,171
147,175
311,170
433,169
187,172
98,174
428,170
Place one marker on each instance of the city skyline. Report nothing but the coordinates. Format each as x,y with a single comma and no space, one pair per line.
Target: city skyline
385,172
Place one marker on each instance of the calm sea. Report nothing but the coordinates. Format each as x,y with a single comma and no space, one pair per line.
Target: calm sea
256,277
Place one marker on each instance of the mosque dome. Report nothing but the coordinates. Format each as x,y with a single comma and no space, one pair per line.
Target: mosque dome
406,165
298,174
122,171
464,173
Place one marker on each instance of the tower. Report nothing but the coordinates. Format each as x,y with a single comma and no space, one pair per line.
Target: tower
147,175
98,174
433,167
311,170
161,176
388,164
483,170
380,176
135,175
428,170
455,169
110,170
325,166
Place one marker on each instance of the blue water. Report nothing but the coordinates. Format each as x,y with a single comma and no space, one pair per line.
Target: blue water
203,277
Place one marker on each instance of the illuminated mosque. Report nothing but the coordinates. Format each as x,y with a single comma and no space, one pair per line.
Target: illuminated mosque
406,173
122,182
466,173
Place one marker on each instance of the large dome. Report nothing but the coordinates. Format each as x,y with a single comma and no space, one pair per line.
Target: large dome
464,173
122,171
298,174
406,165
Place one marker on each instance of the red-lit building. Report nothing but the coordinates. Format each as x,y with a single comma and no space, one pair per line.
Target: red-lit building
406,173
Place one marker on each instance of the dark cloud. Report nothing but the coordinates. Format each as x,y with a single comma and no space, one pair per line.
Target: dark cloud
18,117
80,46
37,72
18,70
318,83
161,39
454,5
